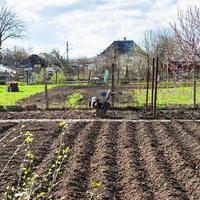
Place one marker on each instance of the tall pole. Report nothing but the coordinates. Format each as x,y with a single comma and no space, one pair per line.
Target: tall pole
27,78
56,76
195,85
147,88
89,76
46,88
153,74
113,84
67,50
156,87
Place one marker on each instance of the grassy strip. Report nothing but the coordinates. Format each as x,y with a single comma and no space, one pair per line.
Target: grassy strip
164,84
11,98
168,96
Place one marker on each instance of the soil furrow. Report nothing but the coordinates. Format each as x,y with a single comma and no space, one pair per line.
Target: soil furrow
190,144
40,147
6,151
104,169
177,191
134,176
192,129
69,137
4,128
181,168
183,146
74,183
160,185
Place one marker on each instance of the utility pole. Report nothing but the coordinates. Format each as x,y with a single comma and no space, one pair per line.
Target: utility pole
67,50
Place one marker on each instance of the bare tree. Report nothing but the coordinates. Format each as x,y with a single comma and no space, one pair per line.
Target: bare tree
55,58
187,33
14,58
10,25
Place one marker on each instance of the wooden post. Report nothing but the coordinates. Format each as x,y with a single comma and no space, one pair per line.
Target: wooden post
46,89
56,76
27,78
78,72
147,88
118,73
156,89
195,85
89,77
168,75
113,85
152,90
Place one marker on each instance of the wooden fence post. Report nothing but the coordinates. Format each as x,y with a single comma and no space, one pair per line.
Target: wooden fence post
147,88
89,76
195,85
156,89
113,85
46,88
152,90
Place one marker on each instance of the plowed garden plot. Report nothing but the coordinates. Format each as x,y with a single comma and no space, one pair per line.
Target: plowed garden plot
111,160
58,96
135,113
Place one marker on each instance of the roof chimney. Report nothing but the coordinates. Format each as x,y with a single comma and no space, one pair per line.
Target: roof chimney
124,38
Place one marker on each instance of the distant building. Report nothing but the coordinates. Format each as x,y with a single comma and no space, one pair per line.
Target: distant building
119,47
5,74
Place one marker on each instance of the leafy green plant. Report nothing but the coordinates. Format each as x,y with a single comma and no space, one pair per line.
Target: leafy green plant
34,186
95,185
74,99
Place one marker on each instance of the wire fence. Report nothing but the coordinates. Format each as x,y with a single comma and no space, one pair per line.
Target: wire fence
172,92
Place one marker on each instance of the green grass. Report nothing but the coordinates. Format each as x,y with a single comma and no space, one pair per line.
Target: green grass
74,99
168,96
11,98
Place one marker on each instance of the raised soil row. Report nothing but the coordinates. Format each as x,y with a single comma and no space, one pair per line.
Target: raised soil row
130,160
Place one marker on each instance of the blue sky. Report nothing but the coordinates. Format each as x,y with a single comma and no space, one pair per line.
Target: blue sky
90,25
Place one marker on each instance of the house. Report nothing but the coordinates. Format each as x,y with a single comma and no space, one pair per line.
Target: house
5,74
180,68
119,47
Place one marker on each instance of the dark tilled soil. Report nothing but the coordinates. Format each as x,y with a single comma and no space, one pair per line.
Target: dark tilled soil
142,160
190,114
58,96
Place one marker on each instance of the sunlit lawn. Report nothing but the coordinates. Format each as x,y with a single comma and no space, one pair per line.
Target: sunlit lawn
168,96
11,98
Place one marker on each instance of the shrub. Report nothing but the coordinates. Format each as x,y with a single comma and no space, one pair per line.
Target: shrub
74,99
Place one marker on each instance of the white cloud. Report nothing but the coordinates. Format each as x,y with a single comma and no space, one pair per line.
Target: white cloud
90,30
